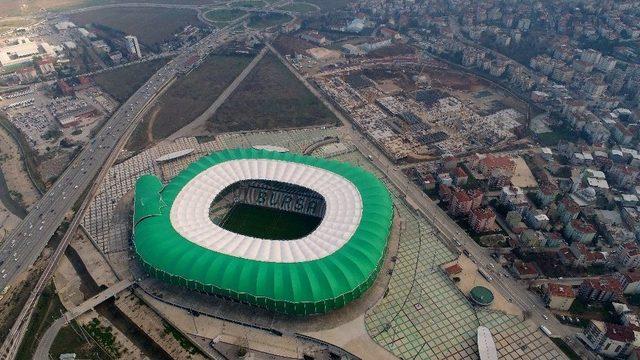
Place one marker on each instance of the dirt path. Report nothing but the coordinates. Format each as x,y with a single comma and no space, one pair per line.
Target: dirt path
152,120
199,124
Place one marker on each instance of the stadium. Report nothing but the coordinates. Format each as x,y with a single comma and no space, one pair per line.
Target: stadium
294,234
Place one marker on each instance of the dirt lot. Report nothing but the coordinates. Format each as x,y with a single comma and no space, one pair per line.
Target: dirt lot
141,22
187,98
270,97
291,45
122,83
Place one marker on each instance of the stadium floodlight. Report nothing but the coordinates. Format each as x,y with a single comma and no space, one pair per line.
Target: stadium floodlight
177,241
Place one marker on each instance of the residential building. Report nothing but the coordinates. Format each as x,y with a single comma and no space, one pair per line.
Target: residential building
610,340
482,220
628,256
568,210
578,230
584,256
558,296
525,270
514,198
460,203
460,177
600,289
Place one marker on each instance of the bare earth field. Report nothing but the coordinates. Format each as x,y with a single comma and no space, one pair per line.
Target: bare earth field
269,98
187,98
150,25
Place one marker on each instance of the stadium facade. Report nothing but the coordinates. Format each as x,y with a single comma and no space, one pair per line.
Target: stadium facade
177,241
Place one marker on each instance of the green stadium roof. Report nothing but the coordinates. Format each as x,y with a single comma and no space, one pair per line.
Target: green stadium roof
328,268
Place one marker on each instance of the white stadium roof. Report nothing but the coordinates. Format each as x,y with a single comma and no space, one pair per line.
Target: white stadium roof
190,211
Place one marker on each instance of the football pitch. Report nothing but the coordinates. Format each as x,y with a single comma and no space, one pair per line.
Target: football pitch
267,223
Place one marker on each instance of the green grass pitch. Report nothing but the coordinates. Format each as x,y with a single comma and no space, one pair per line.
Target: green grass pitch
267,223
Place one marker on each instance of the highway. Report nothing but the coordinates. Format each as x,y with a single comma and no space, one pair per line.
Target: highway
25,243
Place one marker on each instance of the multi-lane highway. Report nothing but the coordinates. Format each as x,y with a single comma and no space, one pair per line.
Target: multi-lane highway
22,247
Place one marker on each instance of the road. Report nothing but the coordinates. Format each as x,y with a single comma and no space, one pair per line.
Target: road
450,231
25,243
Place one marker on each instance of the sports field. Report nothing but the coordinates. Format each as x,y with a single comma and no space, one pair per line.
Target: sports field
267,223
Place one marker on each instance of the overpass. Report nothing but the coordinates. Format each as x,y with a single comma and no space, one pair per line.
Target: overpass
42,351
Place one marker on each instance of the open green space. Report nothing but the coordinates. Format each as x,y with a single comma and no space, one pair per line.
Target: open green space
299,7
270,97
47,310
267,223
121,83
70,340
559,133
263,21
254,4
151,25
224,15
327,5
184,342
187,98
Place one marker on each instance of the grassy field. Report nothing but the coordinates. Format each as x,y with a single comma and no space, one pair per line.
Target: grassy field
47,310
270,97
152,26
187,98
224,15
68,340
123,82
299,7
327,5
263,21
267,223
254,4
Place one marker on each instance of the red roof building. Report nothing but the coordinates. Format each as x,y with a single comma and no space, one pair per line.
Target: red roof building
482,220
460,203
525,270
453,269
476,198
559,296
460,177
578,230
601,289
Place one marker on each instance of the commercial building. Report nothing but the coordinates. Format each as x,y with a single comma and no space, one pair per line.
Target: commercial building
22,50
133,47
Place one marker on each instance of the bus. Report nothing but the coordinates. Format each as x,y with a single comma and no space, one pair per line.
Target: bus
545,330
485,274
